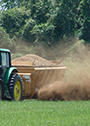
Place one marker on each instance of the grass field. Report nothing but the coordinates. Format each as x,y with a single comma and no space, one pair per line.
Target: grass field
45,113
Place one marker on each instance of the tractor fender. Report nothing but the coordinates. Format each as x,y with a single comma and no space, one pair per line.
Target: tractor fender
8,73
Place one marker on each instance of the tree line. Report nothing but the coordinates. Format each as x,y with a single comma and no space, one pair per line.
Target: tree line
46,20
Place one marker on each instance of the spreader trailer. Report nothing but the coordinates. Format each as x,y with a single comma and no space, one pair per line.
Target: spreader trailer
21,79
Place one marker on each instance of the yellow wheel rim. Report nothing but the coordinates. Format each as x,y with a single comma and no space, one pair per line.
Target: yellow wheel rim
17,91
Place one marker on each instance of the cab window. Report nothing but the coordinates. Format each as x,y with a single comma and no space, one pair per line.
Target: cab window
5,59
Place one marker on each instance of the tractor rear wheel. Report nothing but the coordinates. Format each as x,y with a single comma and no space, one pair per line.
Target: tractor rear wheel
1,91
15,87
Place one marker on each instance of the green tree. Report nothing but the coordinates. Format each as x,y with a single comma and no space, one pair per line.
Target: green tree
13,20
44,32
85,20
26,31
39,10
65,18
8,4
5,41
46,20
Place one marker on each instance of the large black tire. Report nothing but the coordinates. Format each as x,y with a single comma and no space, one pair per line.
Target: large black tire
1,91
15,87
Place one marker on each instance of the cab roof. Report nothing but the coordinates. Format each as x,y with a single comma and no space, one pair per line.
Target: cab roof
4,50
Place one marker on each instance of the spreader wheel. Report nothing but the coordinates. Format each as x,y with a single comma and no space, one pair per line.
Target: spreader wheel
15,87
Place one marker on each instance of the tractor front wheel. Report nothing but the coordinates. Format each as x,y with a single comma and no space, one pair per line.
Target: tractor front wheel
1,91
15,87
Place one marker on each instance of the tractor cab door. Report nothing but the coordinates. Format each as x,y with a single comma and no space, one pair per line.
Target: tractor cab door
4,62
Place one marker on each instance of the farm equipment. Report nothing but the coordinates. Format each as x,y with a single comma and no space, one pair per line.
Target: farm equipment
10,81
29,78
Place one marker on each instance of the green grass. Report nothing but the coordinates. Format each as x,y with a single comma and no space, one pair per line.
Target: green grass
45,113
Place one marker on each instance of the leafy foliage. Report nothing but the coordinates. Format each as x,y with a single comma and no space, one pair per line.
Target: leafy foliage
11,3
47,20
13,20
26,32
44,32
4,39
85,19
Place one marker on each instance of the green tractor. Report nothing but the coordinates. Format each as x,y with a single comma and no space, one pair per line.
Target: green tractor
10,81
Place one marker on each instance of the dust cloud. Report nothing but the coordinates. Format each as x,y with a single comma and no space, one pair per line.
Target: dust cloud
61,91
76,82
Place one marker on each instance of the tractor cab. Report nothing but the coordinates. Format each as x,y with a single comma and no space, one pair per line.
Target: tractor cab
5,61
